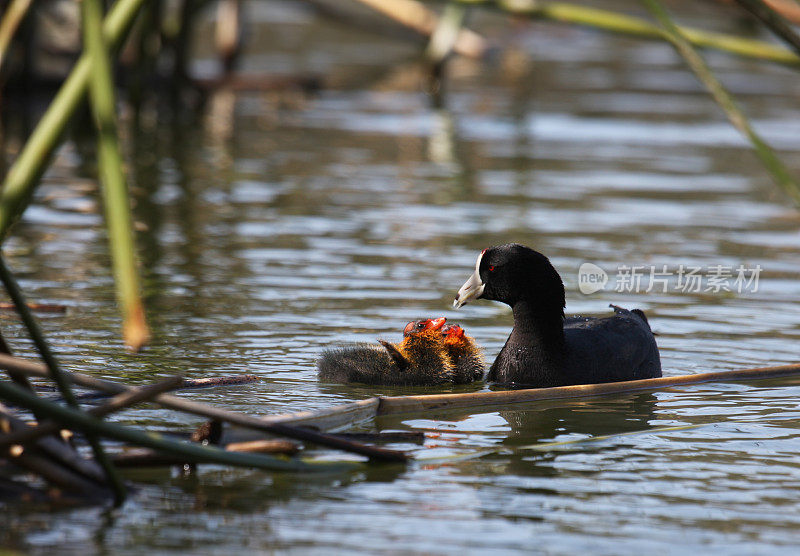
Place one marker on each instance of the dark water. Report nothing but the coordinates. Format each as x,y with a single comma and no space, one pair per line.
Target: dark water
286,226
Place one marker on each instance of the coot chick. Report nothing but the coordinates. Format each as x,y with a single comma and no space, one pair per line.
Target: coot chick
420,359
544,348
464,353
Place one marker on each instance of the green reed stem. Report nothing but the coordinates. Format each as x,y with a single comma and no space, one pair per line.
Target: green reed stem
780,173
31,163
115,189
607,20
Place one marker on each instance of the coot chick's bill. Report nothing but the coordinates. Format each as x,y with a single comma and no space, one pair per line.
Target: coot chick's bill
419,359
545,349
465,354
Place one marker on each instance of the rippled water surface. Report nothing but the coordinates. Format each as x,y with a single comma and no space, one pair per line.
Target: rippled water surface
286,226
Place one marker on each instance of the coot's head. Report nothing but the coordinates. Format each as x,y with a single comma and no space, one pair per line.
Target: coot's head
511,273
418,326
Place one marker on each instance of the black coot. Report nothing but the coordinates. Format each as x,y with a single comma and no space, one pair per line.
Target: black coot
544,348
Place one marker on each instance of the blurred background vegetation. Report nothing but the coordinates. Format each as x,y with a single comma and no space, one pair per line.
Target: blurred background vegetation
57,81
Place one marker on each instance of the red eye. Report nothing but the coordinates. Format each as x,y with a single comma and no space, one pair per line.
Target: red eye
491,268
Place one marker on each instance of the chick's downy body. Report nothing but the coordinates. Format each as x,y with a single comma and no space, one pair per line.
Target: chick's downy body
419,359
466,356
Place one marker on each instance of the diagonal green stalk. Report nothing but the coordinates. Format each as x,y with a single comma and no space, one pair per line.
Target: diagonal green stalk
31,163
780,173
78,420
615,22
15,293
115,189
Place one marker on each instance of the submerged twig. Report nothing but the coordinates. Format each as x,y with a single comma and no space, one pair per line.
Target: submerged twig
55,373
117,403
79,420
143,457
53,449
39,307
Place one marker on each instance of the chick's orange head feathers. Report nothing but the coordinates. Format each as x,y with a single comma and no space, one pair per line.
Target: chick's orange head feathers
424,325
453,333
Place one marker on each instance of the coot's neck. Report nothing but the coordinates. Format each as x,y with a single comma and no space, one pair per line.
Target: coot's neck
541,330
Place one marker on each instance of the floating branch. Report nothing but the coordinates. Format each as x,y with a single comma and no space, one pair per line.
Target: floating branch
173,402
118,403
342,415
212,381
79,420
406,404
54,372
143,457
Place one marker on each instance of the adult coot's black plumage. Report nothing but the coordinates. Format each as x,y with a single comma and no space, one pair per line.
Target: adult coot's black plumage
544,348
